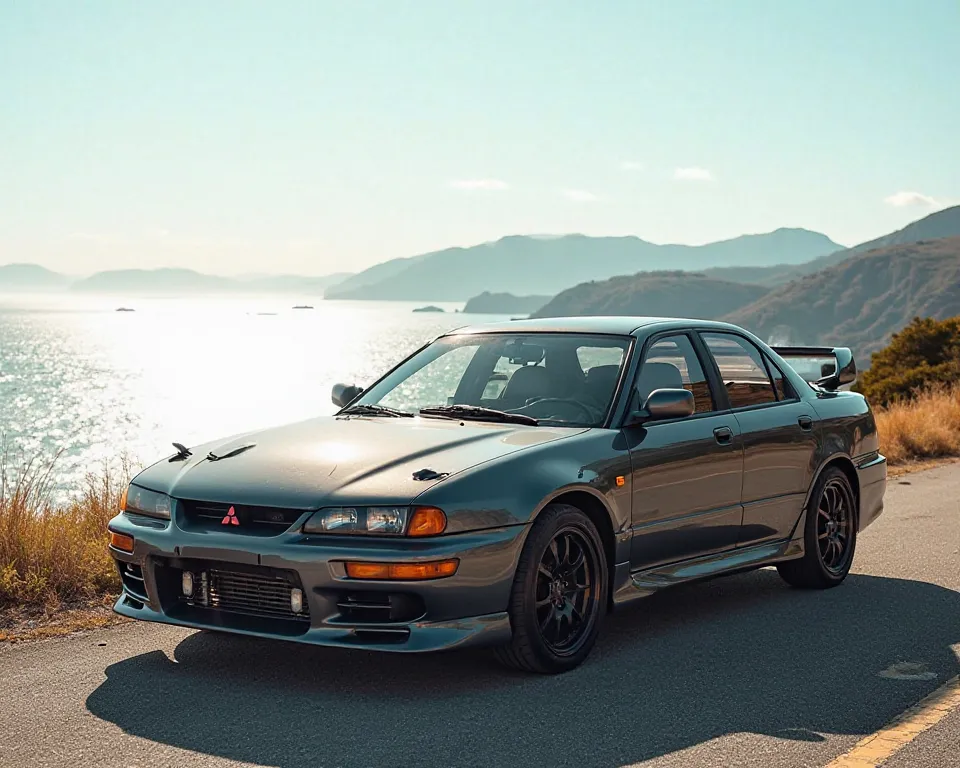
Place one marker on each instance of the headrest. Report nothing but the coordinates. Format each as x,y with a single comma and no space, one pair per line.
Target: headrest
658,376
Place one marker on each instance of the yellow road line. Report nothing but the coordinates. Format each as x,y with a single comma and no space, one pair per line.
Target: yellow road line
872,750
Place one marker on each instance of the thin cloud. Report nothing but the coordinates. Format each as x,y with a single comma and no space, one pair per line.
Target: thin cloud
102,238
905,199
693,173
631,165
579,195
486,185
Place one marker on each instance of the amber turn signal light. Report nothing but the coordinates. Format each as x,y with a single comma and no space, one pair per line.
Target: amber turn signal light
123,499
427,521
402,571
121,541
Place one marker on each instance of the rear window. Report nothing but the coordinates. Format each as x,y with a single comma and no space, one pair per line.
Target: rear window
592,357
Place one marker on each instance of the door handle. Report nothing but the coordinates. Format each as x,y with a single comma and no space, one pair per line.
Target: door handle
723,435
806,423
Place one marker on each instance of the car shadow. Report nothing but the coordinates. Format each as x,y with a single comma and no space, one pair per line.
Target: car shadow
742,654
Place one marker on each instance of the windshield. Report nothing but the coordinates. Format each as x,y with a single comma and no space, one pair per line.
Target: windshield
560,379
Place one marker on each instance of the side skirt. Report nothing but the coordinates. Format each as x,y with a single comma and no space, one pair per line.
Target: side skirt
646,582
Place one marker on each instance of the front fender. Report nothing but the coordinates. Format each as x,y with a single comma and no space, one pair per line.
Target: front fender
512,490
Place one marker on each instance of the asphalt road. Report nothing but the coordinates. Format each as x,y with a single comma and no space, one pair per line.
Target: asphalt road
736,672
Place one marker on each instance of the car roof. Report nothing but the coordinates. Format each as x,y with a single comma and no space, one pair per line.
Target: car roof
613,325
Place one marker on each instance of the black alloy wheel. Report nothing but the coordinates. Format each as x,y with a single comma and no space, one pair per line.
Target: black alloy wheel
566,590
834,522
559,593
830,534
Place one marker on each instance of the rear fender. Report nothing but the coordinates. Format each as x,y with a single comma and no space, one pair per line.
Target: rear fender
847,465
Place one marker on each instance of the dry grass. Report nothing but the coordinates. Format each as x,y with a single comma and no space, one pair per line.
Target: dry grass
32,622
54,556
926,427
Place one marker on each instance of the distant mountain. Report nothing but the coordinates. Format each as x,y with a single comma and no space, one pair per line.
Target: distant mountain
862,300
309,286
945,223
936,226
153,281
777,274
381,273
30,277
504,304
657,294
187,281
538,265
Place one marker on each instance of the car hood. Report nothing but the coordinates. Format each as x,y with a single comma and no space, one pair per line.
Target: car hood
334,460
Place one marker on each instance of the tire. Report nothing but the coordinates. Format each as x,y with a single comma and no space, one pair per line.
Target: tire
561,575
832,516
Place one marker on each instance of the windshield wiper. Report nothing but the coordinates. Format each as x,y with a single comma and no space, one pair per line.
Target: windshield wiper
479,413
366,409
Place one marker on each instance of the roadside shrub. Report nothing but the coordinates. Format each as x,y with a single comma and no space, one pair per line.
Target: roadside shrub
925,427
55,553
925,354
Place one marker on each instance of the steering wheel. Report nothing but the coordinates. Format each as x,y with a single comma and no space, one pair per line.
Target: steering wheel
584,409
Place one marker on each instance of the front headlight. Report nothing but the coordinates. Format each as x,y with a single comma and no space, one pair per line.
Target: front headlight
143,502
379,521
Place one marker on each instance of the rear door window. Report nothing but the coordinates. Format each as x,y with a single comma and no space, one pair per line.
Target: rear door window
742,370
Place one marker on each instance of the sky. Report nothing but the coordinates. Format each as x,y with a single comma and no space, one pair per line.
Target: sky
315,137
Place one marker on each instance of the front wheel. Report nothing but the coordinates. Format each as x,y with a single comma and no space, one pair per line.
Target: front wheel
559,593
830,535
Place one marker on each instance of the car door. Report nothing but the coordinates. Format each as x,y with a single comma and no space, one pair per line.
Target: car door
686,472
779,433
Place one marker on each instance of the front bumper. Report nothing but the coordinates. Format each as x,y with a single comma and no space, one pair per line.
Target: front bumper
468,608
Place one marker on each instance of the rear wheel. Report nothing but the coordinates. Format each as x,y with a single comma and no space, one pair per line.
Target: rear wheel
559,593
830,535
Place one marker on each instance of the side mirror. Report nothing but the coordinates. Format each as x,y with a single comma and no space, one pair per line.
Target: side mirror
344,394
665,404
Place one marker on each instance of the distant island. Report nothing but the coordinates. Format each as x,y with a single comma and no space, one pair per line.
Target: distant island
428,308
504,304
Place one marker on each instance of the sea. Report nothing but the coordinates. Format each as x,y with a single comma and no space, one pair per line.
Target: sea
84,386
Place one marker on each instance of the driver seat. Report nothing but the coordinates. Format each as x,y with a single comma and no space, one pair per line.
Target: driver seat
529,381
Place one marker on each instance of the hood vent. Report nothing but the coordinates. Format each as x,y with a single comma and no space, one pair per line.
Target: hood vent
429,474
231,453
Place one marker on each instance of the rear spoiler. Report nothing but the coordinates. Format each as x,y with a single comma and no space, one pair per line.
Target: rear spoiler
828,367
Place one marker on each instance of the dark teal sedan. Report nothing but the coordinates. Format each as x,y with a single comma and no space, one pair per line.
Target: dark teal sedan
509,485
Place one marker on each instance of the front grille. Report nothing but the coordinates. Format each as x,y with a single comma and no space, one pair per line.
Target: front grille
263,593
131,576
263,521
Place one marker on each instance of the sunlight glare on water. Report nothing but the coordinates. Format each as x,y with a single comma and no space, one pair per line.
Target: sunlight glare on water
79,376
